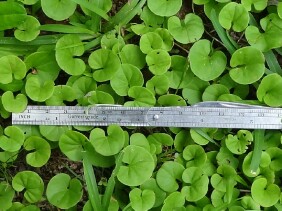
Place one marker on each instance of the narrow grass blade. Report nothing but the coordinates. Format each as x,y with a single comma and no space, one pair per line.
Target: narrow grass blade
91,185
205,135
221,32
258,146
92,8
67,29
272,62
92,44
111,183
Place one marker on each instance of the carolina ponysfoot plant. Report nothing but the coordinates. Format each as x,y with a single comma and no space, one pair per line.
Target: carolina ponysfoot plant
141,53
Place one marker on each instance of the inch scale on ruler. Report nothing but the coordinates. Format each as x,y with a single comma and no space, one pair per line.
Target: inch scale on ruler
206,114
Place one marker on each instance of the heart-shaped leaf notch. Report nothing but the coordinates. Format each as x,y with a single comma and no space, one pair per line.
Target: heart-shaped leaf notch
12,67
31,183
247,65
12,140
142,199
238,144
188,30
64,192
206,63
110,144
67,48
14,104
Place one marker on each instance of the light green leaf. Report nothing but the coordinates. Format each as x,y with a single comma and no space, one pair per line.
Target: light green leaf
158,61
12,140
15,104
141,200
27,30
164,7
131,54
142,97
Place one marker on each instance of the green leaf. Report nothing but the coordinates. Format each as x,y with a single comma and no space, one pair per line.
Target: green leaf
27,30
252,5
224,179
238,144
270,89
249,203
194,90
171,100
206,63
142,97
138,166
39,90
197,184
110,144
150,41
265,194
247,65
40,151
141,199
158,61
72,144
11,14
174,201
164,7
167,38
214,91
6,195
100,97
158,84
64,192
235,16
29,2
112,41
53,132
14,104
163,138
168,176
58,9
194,155
61,93
12,140
67,48
188,30
275,154
126,77
131,54
179,75
104,63
139,139
202,136
151,184
12,67
151,19
31,183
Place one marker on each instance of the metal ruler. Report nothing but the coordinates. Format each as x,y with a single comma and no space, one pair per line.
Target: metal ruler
206,114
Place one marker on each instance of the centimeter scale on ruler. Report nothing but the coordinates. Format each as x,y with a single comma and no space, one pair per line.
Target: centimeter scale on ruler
205,114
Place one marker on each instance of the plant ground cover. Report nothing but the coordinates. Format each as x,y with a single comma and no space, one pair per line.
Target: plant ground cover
139,53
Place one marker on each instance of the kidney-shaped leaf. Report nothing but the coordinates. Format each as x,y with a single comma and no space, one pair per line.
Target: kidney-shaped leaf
105,64
52,132
41,151
12,140
275,154
38,89
158,61
126,77
141,199
6,195
64,192
197,182
164,7
238,144
194,155
12,67
188,30
72,144
265,194
158,84
142,97
270,90
28,30
61,93
214,91
11,14
14,104
150,41
131,54
68,47
110,144
235,16
31,183
206,63
138,166
168,176
58,9
247,65
174,201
